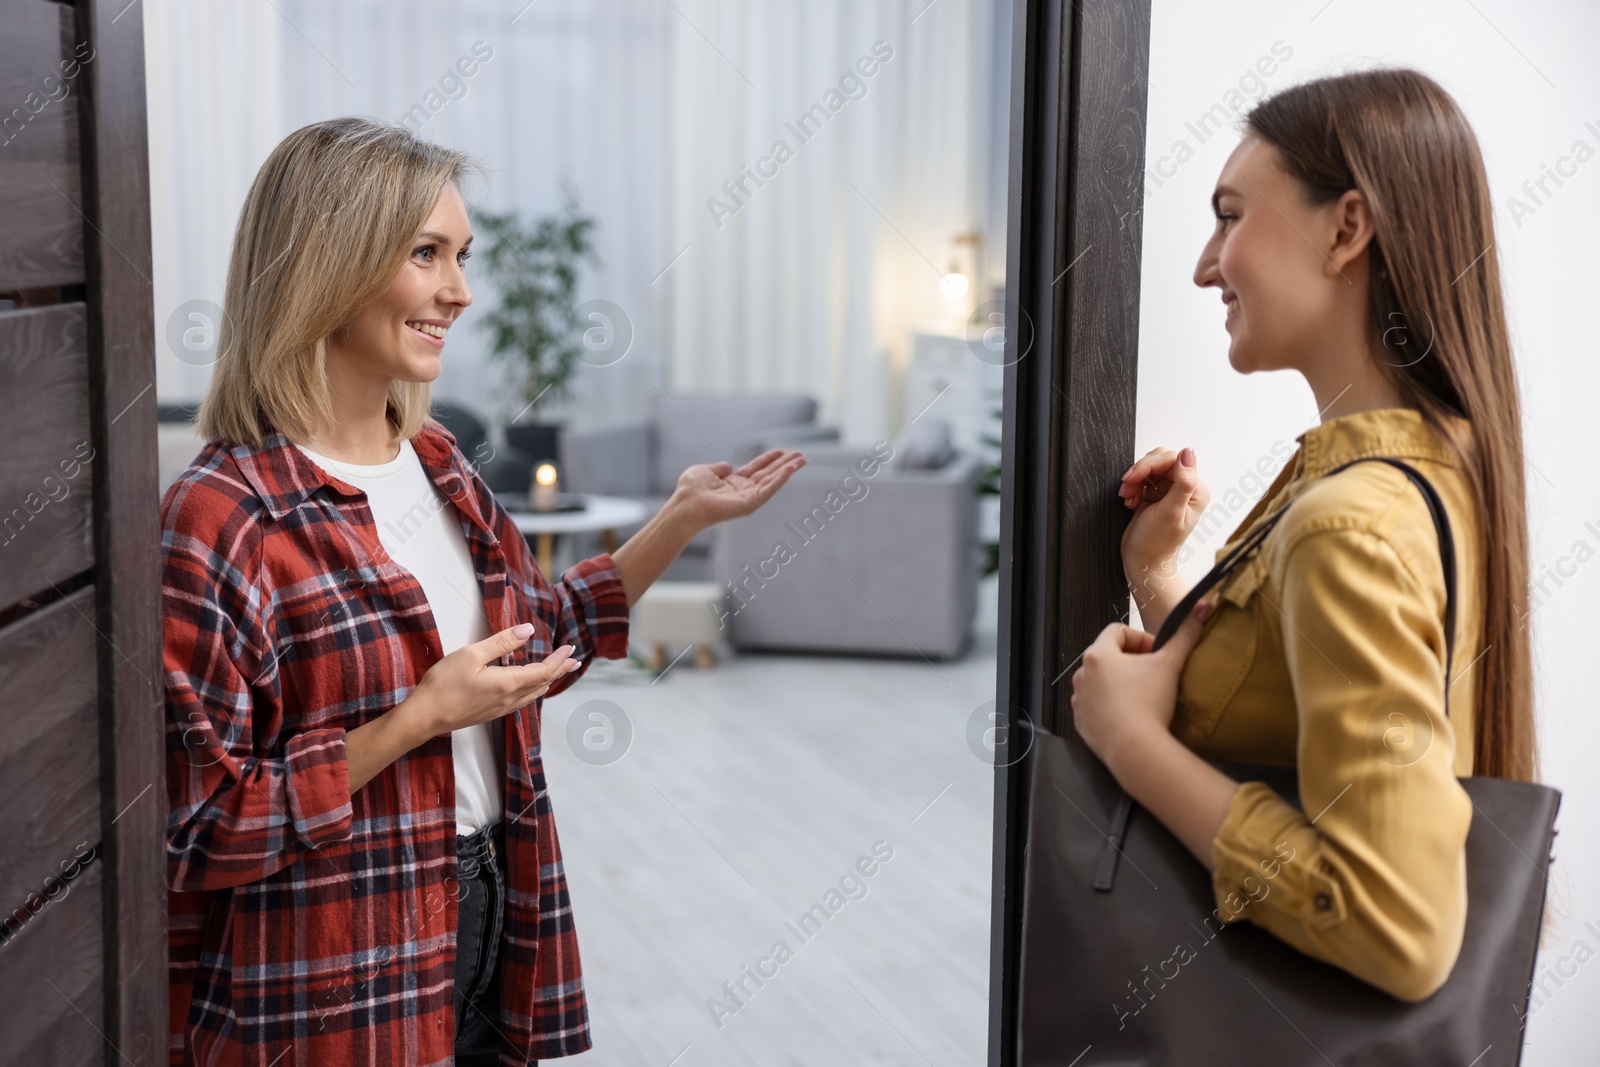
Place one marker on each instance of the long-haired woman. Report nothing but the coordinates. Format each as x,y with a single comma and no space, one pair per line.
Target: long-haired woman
363,863
1354,243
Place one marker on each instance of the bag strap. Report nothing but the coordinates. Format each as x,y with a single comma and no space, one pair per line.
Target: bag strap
1106,866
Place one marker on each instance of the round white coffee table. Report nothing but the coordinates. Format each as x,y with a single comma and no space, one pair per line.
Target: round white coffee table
602,513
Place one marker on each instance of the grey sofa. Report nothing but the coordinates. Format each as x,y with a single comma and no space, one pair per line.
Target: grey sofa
842,560
642,460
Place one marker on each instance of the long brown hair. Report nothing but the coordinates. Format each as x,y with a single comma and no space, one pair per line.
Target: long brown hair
329,221
1400,139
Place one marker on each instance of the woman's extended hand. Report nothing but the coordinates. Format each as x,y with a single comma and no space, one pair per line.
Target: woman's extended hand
465,688
716,492
1124,693
470,686
1167,496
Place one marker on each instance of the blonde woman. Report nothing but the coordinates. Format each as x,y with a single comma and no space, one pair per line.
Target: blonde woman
364,868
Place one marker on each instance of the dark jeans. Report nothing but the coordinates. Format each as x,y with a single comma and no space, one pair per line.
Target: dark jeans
481,867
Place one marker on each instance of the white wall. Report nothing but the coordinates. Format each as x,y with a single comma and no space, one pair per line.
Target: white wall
1526,76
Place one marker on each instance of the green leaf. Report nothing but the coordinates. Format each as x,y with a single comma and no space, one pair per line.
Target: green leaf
534,267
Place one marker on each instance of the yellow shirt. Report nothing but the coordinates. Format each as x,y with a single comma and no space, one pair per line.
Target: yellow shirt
1326,652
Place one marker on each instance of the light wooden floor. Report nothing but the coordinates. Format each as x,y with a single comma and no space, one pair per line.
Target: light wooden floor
747,792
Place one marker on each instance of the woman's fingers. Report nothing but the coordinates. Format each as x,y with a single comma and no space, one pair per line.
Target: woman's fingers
1190,493
535,678
1159,472
495,646
763,462
1146,479
775,475
1184,475
557,663
551,667
1136,640
1199,493
774,472
1124,638
1153,463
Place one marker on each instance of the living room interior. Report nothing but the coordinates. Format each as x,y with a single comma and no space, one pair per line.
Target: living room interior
789,830
696,241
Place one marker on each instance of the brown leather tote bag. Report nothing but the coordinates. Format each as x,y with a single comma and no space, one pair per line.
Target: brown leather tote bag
1120,966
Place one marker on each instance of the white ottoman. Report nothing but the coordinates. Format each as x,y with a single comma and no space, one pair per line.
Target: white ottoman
679,613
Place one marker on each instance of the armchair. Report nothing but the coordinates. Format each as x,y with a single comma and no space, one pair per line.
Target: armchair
842,560
642,460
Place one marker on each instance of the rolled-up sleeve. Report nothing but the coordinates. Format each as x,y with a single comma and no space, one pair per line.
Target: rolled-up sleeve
235,814
587,607
1371,876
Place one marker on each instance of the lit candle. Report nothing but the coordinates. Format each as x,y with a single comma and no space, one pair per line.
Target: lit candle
545,487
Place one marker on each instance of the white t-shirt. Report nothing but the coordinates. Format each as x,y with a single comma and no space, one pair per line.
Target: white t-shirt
419,529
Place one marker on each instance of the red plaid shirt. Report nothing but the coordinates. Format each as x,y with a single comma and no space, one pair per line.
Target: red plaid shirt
304,918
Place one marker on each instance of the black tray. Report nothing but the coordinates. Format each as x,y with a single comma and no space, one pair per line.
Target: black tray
564,502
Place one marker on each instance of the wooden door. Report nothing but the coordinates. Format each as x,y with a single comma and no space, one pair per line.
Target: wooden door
82,786
1079,86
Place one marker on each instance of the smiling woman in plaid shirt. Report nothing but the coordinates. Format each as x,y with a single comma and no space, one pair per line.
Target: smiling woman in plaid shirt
363,862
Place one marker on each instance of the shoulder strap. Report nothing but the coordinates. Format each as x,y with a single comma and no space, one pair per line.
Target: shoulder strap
1441,525
1106,866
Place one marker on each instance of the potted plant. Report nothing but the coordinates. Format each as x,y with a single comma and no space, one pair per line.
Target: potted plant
534,266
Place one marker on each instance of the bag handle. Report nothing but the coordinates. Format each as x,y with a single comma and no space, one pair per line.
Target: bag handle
1106,866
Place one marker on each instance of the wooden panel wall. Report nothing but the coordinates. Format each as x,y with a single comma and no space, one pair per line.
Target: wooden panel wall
46,449
52,966
82,789
41,225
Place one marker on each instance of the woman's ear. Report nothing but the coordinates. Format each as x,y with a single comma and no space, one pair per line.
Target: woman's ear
1353,228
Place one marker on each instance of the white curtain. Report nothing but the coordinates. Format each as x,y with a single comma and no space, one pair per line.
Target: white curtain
646,107
818,278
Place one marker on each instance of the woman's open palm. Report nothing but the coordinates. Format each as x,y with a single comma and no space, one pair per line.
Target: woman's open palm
717,491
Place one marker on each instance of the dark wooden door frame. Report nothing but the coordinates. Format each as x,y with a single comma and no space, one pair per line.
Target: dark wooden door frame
1079,90
127,532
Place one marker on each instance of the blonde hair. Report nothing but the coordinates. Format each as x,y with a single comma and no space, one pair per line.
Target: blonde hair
329,221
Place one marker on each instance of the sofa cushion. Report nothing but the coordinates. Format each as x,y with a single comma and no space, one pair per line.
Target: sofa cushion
609,460
707,427
923,445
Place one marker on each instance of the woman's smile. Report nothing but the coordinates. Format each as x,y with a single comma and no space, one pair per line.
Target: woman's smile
430,330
